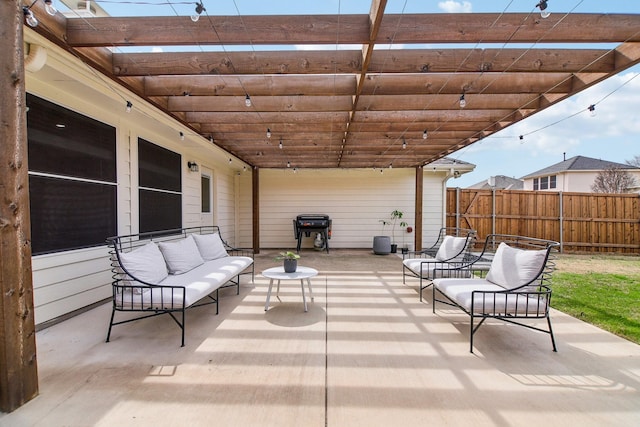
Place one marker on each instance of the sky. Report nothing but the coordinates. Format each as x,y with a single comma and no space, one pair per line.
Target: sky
564,130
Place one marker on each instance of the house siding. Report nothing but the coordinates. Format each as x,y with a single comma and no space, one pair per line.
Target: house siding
355,199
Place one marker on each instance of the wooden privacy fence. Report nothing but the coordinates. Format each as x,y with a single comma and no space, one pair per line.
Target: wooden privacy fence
581,222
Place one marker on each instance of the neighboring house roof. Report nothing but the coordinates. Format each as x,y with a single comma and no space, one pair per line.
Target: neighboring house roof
578,163
500,182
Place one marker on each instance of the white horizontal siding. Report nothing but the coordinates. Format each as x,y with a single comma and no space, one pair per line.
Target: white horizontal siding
68,281
355,199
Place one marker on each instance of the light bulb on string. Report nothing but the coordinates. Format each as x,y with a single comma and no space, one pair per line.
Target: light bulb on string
128,107
463,102
268,133
29,17
592,110
280,144
247,101
181,136
199,9
544,13
424,134
404,144
50,8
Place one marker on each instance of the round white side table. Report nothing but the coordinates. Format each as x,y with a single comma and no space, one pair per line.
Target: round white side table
301,273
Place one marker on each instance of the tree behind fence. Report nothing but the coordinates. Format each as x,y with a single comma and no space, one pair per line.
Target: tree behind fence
581,222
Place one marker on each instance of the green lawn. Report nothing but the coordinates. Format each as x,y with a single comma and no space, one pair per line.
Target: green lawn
610,301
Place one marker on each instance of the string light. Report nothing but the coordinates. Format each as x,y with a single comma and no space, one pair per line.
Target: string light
288,164
404,144
592,110
28,16
199,9
181,136
543,9
50,8
247,101
280,144
463,102
128,107
268,133
424,134
211,139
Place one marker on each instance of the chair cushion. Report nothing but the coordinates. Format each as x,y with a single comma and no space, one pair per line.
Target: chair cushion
513,267
495,302
210,246
430,268
145,263
181,256
450,248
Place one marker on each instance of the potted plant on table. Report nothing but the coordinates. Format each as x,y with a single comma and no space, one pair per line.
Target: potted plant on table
290,261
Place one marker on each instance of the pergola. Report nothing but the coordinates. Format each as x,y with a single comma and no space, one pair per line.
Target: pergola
393,100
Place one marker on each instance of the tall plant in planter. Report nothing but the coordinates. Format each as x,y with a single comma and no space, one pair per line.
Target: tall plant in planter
396,219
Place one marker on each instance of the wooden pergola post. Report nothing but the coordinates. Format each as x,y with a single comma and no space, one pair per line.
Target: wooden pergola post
418,208
18,367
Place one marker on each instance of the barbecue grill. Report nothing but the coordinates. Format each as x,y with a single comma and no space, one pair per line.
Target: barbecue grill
308,223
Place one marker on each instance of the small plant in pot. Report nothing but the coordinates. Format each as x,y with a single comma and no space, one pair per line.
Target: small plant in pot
290,260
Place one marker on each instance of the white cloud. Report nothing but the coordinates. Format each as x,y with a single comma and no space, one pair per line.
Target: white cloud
451,6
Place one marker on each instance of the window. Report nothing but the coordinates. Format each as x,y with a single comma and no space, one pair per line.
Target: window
72,178
160,187
205,186
544,183
552,181
536,185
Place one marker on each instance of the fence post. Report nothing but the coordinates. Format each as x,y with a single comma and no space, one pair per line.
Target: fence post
458,207
493,210
561,203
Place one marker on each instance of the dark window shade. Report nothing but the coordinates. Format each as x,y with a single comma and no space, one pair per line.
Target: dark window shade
158,167
68,214
159,211
83,148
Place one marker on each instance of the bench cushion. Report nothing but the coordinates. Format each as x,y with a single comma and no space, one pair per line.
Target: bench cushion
450,248
210,246
198,282
145,263
513,267
181,256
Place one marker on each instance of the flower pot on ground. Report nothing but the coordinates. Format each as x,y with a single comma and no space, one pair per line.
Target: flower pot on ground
290,261
381,245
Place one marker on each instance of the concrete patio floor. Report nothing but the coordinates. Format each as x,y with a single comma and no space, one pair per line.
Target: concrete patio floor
367,353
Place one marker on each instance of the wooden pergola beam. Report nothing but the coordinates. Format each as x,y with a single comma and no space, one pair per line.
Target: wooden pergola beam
351,29
351,62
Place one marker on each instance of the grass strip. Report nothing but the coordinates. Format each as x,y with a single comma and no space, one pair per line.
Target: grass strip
609,301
